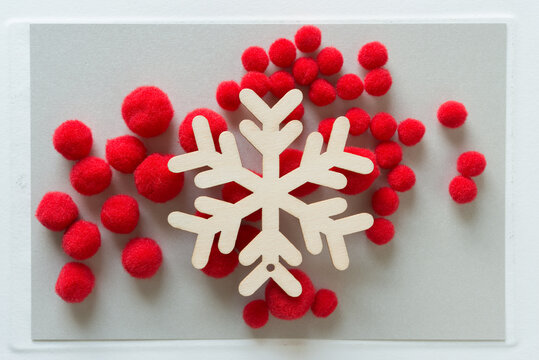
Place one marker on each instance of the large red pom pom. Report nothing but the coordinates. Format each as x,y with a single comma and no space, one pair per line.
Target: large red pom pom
452,114
285,307
246,234
120,214
401,178
378,82
322,93
385,201
290,160
381,232
220,265
357,183
372,55
90,176
254,58
142,257
349,87
282,53
329,60
462,189
359,120
388,154
305,70
411,131
308,38
255,314
155,181
147,111
325,302
233,192
56,211
280,83
296,114
228,95
75,282
256,81
81,240
383,126
73,139
125,153
187,136
471,163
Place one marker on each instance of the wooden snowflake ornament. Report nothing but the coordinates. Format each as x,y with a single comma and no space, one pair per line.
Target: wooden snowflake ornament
270,193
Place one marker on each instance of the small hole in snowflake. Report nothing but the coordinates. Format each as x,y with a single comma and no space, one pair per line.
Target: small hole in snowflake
270,267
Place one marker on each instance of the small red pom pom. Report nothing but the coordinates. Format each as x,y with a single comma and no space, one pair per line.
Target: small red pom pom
290,160
147,111
282,53
246,234
305,70
471,163
256,81
359,120
325,302
125,153
372,55
75,282
381,232
308,38
228,95
255,314
357,183
329,60
349,87
385,201
254,58
462,189
90,176
187,136
296,114
388,154
73,139
452,114
280,83
378,82
56,211
233,192
81,240
220,265
285,307
383,126
155,181
411,131
120,214
142,257
401,178
322,93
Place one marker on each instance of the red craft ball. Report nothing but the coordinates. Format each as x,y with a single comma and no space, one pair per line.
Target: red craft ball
383,126
305,70
90,176
282,52
325,128
329,61
281,82
381,232
75,282
120,214
359,120
385,201
254,58
357,183
228,95
255,314
401,178
187,136
388,154
285,307
56,211
322,93
147,111
325,302
142,257
308,38
471,163
372,55
246,234
462,189
411,131
81,240
452,114
256,81
73,139
220,265
378,82
349,87
290,160
155,181
125,153
233,192
296,114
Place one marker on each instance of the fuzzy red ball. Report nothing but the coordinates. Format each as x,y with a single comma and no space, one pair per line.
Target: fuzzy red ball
256,81
452,114
142,257
73,139
462,189
155,181
471,163
357,183
281,82
410,131
296,114
246,234
359,120
220,265
254,58
383,126
305,70
120,214
255,314
401,178
349,87
233,192
187,136
228,95
90,176
81,240
325,302
388,154
290,160
372,55
322,93
285,307
125,153
147,111
381,232
282,52
329,60
324,127
75,282
308,38
378,82
56,211
385,201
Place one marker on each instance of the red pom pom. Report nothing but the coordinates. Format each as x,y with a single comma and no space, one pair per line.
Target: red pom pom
120,214
246,234
280,83
385,201
73,139
381,232
388,154
308,38
325,302
254,58
75,282
462,189
142,257
452,114
186,135
349,87
125,153
220,265
357,183
305,70
471,163
378,82
228,95
383,126
233,192
372,55
282,53
147,111
401,178
56,211
296,114
90,176
359,120
155,181
256,81
329,60
290,160
411,131
286,307
322,93
255,314
81,240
